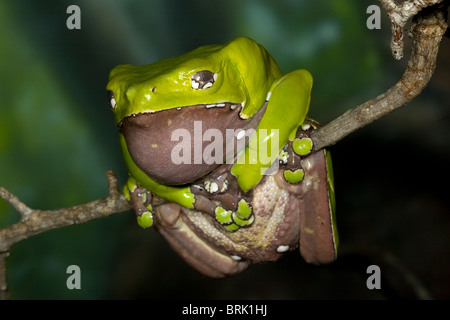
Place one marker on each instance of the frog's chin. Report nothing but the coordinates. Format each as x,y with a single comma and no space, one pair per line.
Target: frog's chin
179,145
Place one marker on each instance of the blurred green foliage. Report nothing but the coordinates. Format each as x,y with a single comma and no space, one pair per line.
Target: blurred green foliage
57,134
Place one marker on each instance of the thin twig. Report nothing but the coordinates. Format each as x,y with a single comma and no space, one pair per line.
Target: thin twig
14,202
399,14
34,222
38,221
427,32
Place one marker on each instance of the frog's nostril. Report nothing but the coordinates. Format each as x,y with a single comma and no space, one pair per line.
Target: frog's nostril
154,89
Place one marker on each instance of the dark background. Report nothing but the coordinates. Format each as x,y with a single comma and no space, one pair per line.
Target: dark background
58,138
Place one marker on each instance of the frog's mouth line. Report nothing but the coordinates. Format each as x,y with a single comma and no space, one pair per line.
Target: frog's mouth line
179,145
200,108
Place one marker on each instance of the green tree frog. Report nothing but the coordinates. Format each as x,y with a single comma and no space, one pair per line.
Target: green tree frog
217,145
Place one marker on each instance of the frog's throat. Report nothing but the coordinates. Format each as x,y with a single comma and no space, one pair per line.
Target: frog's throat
180,145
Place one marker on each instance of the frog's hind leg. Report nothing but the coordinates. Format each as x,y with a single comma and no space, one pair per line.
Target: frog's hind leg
218,195
309,175
173,225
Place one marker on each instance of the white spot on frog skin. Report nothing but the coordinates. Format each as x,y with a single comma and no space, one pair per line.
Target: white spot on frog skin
306,127
218,105
195,84
236,258
307,164
268,96
214,187
179,108
211,187
113,103
282,249
241,134
207,85
224,186
215,77
234,106
283,157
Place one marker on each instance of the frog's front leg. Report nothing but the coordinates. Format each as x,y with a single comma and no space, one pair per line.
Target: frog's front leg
219,195
292,153
309,175
141,199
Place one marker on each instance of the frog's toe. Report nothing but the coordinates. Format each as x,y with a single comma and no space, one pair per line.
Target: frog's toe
141,200
244,216
225,218
145,220
294,176
144,210
302,146
242,222
232,221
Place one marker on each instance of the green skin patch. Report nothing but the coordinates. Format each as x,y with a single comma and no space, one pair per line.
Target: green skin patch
223,216
243,222
145,220
302,146
244,210
295,176
243,217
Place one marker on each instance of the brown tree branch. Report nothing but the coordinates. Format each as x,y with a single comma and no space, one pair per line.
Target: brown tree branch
427,31
399,14
34,222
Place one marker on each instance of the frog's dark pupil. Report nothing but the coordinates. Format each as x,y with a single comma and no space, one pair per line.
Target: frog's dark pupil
204,76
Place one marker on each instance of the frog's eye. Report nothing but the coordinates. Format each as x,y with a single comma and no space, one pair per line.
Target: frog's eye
111,99
203,79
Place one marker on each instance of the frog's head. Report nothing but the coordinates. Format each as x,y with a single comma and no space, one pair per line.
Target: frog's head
221,86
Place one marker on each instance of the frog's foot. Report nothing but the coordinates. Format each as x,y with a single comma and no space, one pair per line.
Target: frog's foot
217,196
141,200
233,220
294,151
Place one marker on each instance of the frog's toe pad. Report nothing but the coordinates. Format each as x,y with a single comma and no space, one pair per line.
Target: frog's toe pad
244,210
243,222
302,146
223,216
243,217
145,220
232,221
294,176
